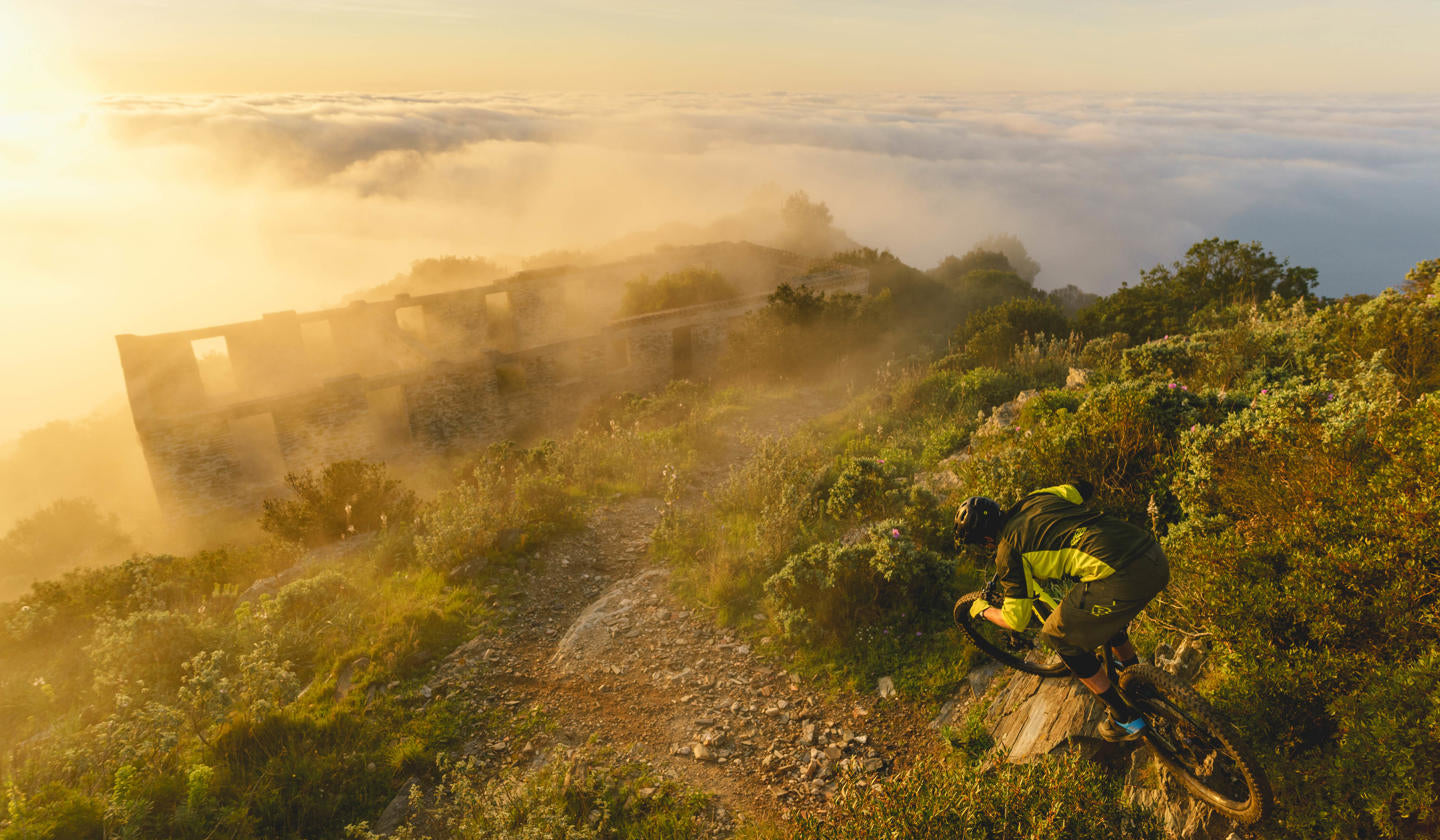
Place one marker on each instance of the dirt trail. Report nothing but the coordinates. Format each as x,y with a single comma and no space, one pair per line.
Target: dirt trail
640,671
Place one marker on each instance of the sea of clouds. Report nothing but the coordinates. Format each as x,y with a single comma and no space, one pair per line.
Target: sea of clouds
147,214
1098,186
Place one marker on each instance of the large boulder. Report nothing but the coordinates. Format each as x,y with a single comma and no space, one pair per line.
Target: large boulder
615,613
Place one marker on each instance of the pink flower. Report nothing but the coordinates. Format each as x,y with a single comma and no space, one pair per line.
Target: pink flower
880,461
894,532
1264,390
1172,386
1195,427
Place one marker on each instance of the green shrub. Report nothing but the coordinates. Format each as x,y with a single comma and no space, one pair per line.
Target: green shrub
958,394
991,335
1103,355
802,332
952,268
1307,553
865,489
829,591
66,534
1065,797
348,497
1402,330
1123,437
592,794
54,813
688,287
1214,274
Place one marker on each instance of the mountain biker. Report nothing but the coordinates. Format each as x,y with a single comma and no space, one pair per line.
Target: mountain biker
1049,535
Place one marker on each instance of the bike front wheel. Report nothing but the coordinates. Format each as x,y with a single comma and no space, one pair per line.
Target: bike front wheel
1021,650
1195,744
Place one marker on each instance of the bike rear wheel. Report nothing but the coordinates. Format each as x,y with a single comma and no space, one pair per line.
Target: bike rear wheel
1021,650
1195,744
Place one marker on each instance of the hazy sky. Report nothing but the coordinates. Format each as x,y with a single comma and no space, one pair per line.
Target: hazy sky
214,46
165,164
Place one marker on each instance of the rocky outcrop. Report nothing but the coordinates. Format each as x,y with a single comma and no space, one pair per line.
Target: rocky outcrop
1029,717
618,614
1032,717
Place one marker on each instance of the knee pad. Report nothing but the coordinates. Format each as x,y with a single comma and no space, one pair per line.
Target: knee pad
1082,665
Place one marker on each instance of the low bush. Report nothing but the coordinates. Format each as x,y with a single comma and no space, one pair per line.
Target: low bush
346,498
681,288
828,592
592,794
991,335
1065,797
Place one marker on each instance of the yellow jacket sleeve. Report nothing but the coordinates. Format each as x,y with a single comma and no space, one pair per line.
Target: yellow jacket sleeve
1017,612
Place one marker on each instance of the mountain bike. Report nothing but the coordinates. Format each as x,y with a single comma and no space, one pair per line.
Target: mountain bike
1186,734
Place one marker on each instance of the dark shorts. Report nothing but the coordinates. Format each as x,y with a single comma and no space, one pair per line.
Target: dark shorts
1092,613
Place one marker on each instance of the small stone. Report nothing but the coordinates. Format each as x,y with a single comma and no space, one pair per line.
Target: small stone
833,753
807,734
702,752
886,687
874,765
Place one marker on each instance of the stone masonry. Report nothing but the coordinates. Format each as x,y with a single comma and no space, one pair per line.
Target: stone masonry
223,413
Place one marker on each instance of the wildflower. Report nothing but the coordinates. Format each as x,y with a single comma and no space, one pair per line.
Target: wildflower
918,633
1172,386
880,461
1184,387
1264,390
1195,427
895,532
1329,397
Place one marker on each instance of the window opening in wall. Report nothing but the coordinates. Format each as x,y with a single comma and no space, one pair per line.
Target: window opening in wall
319,340
257,449
216,373
682,344
390,414
619,353
500,319
411,321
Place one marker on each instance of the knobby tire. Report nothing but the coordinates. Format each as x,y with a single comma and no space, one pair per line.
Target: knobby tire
1031,656
1181,726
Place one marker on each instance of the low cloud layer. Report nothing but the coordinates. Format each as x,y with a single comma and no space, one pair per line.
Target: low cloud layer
1099,186
145,214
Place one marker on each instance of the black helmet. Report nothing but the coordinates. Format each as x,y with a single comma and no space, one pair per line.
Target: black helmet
977,518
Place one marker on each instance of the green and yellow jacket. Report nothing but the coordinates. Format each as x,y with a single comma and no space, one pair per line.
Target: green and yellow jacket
1051,535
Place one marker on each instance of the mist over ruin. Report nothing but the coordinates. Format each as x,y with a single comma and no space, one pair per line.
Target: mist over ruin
224,413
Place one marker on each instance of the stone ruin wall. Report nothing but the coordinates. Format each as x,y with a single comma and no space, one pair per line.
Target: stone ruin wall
394,380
